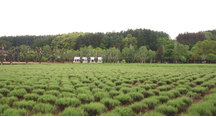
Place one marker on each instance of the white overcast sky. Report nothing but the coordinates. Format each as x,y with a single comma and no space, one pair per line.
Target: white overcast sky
44,17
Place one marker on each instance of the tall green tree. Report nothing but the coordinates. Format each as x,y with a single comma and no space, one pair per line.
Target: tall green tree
63,55
81,56
20,55
104,57
40,55
72,56
143,53
2,56
151,55
11,55
159,54
211,57
96,57
130,40
89,56
128,54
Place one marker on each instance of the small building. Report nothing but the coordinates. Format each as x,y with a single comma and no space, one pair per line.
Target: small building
77,60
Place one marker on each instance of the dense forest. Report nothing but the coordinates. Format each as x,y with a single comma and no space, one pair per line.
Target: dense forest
140,45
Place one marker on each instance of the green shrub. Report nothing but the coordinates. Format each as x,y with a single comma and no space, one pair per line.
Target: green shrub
164,88
53,92
211,96
38,91
169,94
200,89
97,82
25,104
151,102
110,103
126,90
113,79
168,110
190,84
154,80
18,93
190,79
97,90
186,100
44,108
114,93
168,81
146,87
138,107
108,88
182,90
79,85
118,87
141,80
136,89
147,93
148,82
40,87
54,87
65,102
85,81
193,95
27,88
178,104
110,84
136,96
128,81
199,81
1,96
175,92
67,89
66,94
126,85
4,91
181,81
124,99
154,113
184,86
83,90
71,111
10,87
208,84
213,90
47,98
31,96
8,100
162,99
93,109
161,83
135,81
15,112
202,109
2,85
175,83
74,82
125,111
3,108
102,86
100,95
85,98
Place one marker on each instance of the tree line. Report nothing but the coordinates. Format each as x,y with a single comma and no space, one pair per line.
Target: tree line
140,45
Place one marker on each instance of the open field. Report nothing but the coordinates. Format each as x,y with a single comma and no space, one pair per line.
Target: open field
108,89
